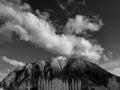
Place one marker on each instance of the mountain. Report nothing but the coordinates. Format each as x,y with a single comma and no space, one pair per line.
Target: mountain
61,73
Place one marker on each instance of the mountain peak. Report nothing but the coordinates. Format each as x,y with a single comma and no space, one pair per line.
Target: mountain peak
58,62
60,68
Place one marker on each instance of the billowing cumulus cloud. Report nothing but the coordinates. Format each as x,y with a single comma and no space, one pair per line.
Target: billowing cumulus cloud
13,62
43,34
80,24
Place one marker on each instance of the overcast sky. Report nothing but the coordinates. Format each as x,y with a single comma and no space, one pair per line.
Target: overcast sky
23,52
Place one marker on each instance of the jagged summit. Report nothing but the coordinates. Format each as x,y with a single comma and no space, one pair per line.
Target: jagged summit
58,69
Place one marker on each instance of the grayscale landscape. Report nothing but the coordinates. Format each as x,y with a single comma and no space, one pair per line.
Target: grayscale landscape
59,45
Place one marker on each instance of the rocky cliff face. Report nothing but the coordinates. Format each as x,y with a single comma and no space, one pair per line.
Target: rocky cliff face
60,73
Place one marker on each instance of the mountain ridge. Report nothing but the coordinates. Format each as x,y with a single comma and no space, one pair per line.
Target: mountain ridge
62,69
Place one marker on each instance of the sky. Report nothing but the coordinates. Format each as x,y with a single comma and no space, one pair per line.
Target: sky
16,52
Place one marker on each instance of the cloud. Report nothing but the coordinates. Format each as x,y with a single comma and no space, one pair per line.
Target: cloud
43,34
13,62
112,66
115,71
1,89
80,24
